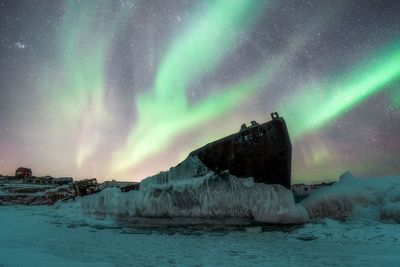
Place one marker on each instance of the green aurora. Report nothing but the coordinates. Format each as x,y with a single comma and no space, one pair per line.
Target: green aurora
165,112
195,53
157,116
87,31
313,108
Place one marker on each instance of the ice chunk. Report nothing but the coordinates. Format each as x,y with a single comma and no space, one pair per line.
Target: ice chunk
191,190
357,197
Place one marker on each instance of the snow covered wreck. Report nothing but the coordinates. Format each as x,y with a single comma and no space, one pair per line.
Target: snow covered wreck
240,179
262,151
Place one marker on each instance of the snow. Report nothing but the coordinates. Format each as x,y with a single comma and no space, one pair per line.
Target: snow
376,198
190,190
193,216
43,236
190,193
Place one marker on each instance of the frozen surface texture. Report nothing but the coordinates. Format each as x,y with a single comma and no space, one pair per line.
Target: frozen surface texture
88,232
190,190
44,236
12,193
376,198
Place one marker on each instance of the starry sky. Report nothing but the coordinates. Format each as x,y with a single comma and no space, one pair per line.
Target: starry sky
125,89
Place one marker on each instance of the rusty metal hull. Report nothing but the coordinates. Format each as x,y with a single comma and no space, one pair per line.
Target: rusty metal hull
262,151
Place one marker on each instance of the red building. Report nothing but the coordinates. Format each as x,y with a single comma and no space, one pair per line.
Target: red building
23,172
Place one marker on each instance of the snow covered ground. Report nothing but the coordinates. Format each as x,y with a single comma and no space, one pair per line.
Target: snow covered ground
190,216
375,198
42,236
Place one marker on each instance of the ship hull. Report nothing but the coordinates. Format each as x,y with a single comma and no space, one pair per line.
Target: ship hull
262,151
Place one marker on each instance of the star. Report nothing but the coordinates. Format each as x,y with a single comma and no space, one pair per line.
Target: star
20,45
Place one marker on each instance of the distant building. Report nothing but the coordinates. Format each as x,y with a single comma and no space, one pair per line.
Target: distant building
30,180
63,180
86,187
48,180
119,184
23,172
38,180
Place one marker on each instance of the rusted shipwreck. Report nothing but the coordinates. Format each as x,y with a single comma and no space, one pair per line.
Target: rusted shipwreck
262,151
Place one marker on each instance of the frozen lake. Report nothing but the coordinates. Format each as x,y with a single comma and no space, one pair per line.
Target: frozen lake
41,236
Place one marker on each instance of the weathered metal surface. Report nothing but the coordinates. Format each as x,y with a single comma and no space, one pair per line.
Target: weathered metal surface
86,187
262,151
130,187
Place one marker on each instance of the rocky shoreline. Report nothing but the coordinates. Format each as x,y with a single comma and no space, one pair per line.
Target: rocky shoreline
31,194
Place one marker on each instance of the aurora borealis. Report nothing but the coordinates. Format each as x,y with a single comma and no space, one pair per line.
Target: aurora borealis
124,89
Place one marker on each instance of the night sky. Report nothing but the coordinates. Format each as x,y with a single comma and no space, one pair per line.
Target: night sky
125,89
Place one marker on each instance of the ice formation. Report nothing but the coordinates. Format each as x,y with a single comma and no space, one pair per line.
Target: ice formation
190,190
376,198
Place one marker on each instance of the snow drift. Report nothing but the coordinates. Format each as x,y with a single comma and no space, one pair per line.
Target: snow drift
190,190
376,198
